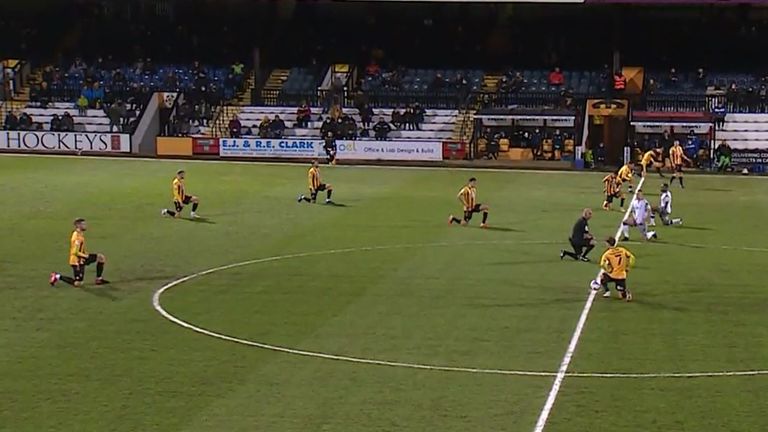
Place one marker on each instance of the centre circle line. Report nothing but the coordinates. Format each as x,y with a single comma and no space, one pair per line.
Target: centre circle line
156,304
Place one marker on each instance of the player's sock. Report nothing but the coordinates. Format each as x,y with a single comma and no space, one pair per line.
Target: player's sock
99,269
622,202
328,194
681,181
658,170
455,220
67,279
625,230
676,221
485,217
606,206
587,250
653,220
194,206
170,213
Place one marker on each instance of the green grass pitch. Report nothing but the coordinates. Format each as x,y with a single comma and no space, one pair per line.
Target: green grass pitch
102,359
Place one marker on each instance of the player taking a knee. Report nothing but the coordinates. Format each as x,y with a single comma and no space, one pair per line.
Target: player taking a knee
468,198
79,259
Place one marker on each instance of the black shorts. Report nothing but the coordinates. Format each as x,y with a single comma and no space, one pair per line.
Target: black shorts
609,198
320,188
475,209
678,168
78,271
621,284
578,247
179,205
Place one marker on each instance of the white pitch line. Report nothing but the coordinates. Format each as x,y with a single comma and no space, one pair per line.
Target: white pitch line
344,166
156,303
562,371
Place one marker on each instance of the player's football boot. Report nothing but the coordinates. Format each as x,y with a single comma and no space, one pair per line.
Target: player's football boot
53,278
101,281
607,294
483,225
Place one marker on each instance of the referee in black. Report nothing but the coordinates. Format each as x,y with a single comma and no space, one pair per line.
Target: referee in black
581,240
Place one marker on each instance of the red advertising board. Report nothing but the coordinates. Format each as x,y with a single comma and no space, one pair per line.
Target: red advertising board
205,146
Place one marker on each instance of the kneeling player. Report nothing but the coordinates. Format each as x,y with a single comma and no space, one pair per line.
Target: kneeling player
79,259
664,210
612,189
641,211
467,196
180,197
316,185
615,264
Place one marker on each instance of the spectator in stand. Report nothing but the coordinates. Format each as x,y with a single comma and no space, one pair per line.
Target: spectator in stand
264,128
115,120
556,77
673,77
328,126
67,122
397,118
11,121
652,86
238,70
349,127
692,146
701,78
373,69
366,116
25,122
732,97
762,96
149,67
82,105
277,127
97,96
381,130
55,123
558,141
409,118
504,85
303,115
206,113
437,84
517,83
419,114
78,67
235,127
170,82
665,142
723,156
600,155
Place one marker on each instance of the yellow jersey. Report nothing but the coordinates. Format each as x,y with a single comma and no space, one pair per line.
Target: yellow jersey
611,185
313,178
676,155
178,190
616,261
77,252
625,173
467,195
648,157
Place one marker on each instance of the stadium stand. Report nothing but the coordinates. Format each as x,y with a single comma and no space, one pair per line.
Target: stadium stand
438,123
94,120
745,131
